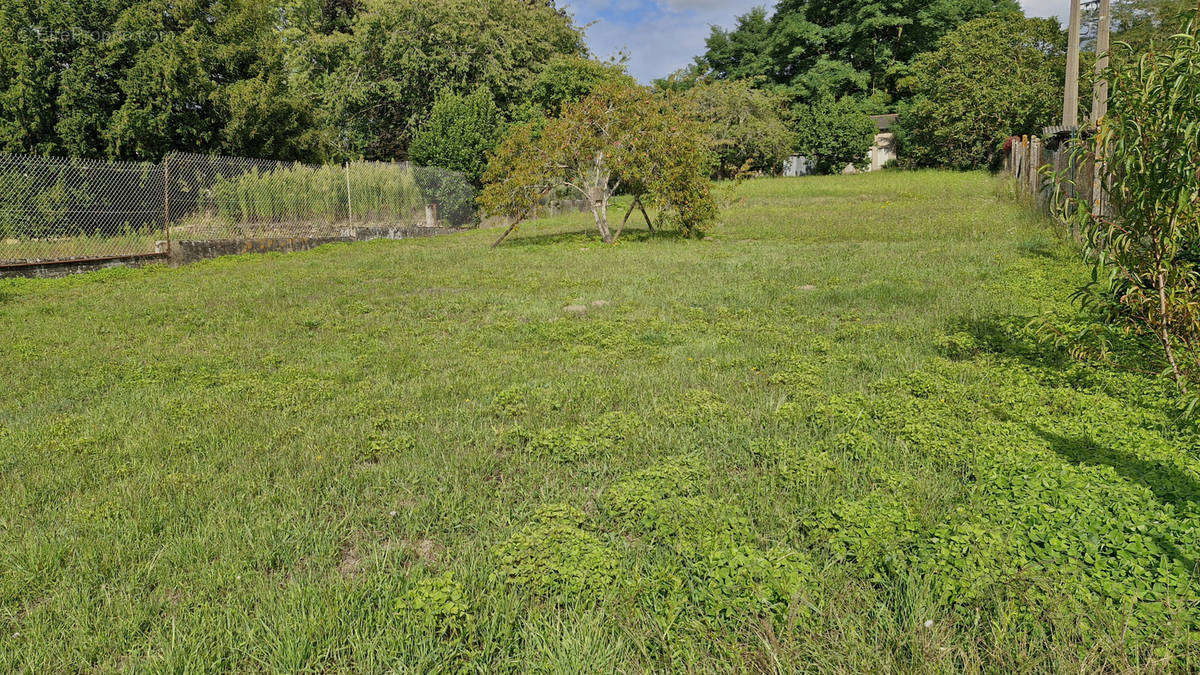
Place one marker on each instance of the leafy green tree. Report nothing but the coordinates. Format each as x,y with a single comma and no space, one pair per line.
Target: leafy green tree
570,78
992,78
833,134
813,48
618,136
452,149
383,77
746,126
136,79
460,133
742,52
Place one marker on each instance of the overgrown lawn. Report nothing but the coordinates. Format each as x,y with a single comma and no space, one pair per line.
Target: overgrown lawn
823,439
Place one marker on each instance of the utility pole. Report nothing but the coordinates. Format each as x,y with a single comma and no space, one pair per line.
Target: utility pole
1100,97
1100,109
1070,117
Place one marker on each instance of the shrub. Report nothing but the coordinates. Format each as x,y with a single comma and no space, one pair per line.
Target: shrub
450,190
746,126
1144,242
618,137
990,79
833,134
459,134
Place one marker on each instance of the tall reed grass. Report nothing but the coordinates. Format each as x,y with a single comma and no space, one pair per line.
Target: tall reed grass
366,191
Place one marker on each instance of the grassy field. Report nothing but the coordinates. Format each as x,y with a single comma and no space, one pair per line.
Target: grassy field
822,439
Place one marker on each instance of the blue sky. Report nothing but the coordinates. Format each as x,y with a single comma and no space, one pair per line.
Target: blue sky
661,36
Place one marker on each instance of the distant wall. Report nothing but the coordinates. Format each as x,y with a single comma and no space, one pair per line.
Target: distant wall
54,269
183,252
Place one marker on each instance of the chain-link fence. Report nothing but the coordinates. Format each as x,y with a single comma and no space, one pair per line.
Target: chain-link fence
76,209
54,210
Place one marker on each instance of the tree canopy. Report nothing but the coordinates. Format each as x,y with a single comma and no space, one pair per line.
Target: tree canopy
400,54
136,79
282,79
992,78
833,134
747,126
813,48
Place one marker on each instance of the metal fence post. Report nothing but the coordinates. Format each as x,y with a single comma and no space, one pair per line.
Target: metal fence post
167,200
349,208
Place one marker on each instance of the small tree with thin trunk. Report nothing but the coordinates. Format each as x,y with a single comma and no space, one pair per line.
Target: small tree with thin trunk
1146,241
618,137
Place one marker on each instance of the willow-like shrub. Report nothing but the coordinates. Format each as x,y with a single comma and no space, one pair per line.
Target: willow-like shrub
1143,242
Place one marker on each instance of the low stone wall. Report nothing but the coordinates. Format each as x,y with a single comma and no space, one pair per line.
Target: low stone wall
183,252
62,268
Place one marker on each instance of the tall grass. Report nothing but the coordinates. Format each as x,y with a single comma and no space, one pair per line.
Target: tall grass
366,191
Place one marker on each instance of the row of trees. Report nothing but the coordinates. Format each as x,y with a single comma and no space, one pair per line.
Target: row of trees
310,80
963,74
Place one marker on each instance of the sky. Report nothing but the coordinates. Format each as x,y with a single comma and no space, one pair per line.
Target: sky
662,36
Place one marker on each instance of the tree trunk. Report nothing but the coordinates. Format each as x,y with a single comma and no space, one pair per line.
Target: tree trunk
644,214
600,213
598,195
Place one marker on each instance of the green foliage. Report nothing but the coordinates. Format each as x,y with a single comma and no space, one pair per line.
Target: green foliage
451,190
301,80
618,136
746,126
317,194
990,79
572,443
738,582
1144,243
665,504
132,80
451,151
816,49
873,534
459,134
1141,23
571,78
383,77
437,604
554,558
833,134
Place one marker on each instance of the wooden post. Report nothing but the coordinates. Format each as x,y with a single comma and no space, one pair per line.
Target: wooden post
1035,162
1070,116
167,200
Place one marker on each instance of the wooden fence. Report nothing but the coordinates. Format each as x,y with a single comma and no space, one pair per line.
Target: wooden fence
1051,172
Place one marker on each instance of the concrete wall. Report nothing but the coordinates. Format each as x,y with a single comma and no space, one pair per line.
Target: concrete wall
50,270
884,150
